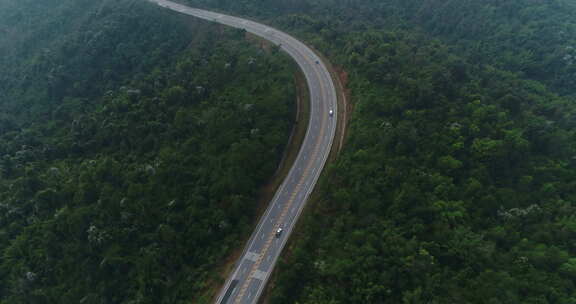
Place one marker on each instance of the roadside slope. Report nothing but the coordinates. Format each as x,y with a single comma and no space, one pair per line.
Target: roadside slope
248,279
136,176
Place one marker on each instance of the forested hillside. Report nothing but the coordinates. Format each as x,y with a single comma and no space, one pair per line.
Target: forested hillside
534,38
128,138
457,183
133,144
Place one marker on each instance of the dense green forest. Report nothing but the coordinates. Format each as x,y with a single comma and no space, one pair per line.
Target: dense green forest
127,135
127,143
534,38
458,180
457,185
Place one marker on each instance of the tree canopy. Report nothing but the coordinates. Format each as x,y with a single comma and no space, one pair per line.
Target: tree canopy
456,184
128,138
133,145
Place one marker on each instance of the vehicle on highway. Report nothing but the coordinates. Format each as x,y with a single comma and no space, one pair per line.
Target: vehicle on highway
260,254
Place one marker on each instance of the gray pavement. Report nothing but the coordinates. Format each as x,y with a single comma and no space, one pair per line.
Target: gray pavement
252,270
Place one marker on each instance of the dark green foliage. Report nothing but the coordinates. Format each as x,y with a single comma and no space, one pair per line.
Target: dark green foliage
137,173
456,186
457,182
534,38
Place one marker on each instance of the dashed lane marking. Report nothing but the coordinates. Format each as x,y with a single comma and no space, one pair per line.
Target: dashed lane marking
280,219
259,274
252,256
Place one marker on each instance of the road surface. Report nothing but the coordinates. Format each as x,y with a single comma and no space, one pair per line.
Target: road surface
250,274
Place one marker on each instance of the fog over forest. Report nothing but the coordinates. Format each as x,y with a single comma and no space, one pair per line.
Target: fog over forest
137,146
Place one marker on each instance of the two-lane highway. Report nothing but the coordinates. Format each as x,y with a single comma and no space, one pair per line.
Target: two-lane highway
250,274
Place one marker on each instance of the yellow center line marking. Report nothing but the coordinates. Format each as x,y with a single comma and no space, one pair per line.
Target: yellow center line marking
213,17
280,219
271,236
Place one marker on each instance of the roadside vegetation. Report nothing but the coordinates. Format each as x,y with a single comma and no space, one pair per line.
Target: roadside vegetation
133,144
457,183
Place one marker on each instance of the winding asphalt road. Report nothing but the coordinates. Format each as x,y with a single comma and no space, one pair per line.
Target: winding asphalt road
251,272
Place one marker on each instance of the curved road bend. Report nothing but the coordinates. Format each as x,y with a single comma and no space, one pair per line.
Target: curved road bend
250,274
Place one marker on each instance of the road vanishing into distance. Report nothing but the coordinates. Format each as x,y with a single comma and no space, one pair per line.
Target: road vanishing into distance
252,270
